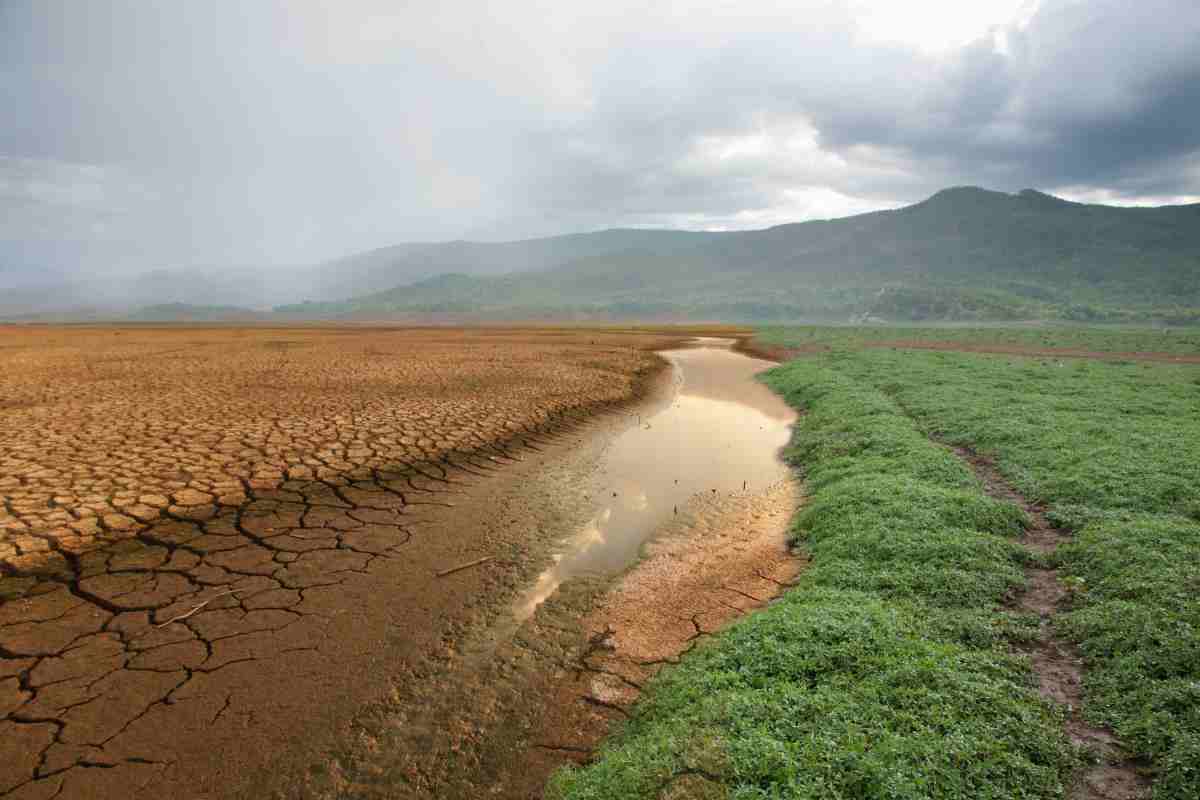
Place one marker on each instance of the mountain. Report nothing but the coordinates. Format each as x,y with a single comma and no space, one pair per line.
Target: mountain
188,312
378,270
964,253
115,296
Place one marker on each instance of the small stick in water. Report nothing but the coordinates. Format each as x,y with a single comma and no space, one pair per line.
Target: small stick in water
474,563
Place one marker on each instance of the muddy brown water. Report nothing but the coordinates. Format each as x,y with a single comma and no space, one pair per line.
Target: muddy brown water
720,431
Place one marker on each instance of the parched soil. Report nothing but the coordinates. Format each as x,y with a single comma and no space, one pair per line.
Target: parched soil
1059,670
217,543
108,431
508,707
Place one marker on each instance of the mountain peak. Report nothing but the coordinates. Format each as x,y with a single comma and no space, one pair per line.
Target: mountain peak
962,194
963,191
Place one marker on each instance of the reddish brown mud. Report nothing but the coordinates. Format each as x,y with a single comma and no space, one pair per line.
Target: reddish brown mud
218,543
511,699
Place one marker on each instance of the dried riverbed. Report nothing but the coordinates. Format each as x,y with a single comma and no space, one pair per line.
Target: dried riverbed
692,483
185,652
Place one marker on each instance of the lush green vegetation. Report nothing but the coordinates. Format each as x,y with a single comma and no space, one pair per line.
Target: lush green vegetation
887,671
1138,625
1114,449
1083,338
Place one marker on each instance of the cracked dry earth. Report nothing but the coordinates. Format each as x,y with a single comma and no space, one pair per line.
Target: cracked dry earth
518,695
497,720
211,539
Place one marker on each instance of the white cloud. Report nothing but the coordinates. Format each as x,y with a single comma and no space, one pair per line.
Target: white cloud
938,26
1111,197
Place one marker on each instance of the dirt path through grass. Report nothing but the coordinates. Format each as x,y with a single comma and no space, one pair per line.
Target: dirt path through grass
1057,665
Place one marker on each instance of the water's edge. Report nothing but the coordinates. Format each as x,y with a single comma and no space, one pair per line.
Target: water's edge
719,433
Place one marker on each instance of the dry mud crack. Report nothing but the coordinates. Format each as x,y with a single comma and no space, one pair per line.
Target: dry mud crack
204,561
518,694
496,721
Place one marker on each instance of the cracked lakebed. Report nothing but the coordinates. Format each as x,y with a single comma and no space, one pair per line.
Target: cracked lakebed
278,627
213,546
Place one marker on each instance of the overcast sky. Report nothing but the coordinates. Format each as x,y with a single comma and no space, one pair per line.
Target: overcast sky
162,134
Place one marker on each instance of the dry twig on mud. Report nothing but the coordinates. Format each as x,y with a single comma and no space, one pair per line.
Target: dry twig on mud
474,563
196,608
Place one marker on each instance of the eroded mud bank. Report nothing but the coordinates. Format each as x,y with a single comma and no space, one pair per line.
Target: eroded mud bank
675,523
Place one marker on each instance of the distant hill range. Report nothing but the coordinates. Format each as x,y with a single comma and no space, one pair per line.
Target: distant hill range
965,253
158,313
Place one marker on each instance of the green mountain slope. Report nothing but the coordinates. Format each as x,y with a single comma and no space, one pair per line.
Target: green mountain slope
965,253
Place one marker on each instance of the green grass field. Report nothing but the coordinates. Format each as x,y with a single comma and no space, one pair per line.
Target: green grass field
1095,339
889,670
1113,449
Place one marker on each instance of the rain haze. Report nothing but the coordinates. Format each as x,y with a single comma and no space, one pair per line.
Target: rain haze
253,138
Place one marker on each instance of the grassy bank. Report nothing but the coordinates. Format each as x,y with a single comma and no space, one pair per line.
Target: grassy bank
1114,450
1094,339
887,671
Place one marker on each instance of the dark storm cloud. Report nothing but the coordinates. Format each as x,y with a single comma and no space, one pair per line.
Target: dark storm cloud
1092,94
1100,94
143,134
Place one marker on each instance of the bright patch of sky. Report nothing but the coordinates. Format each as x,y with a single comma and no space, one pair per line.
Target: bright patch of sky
938,26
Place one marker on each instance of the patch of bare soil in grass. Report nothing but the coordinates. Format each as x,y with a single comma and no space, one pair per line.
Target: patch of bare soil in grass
1059,670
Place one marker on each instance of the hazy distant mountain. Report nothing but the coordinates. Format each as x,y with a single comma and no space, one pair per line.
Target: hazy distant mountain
163,312
377,270
115,296
964,253
187,312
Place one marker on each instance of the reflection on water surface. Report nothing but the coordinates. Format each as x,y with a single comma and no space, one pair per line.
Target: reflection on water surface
721,432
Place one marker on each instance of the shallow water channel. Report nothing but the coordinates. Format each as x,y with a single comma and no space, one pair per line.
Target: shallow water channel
720,431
